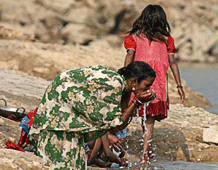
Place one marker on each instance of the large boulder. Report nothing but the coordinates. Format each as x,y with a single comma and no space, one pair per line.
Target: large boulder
210,134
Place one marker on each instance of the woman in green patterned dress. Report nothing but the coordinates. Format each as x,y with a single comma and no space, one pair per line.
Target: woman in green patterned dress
83,104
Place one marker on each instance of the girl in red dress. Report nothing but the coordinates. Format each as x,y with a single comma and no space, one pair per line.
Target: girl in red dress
150,41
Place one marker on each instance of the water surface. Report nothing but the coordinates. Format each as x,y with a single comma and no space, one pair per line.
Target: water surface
205,81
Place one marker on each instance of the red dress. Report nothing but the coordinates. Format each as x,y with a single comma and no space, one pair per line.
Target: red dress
156,55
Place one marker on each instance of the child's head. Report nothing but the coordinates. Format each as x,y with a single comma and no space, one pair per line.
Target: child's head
153,23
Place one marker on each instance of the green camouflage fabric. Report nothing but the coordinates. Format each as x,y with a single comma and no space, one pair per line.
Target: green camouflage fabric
79,105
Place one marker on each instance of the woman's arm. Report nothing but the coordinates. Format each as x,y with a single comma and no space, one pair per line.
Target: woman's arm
127,110
129,57
175,69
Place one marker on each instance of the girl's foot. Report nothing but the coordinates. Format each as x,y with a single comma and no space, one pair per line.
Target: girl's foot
144,159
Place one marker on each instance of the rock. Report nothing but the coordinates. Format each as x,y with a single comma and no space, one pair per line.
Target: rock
180,155
10,130
41,70
203,146
55,5
210,134
76,34
12,159
11,34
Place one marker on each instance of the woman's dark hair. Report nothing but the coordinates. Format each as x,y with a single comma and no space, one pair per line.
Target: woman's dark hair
153,23
138,69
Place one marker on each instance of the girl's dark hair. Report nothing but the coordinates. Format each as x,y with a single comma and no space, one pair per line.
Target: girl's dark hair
138,69
153,23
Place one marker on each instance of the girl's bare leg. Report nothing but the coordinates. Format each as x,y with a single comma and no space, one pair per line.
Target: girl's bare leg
148,133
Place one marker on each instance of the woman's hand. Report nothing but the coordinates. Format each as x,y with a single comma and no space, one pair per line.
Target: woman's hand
146,96
181,93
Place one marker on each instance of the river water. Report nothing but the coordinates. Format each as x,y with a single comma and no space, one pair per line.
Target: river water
175,165
203,79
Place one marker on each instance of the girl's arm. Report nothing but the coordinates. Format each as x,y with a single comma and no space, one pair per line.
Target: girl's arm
116,142
129,57
109,153
175,69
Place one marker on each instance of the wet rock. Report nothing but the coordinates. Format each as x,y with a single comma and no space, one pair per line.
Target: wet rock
12,159
76,34
203,146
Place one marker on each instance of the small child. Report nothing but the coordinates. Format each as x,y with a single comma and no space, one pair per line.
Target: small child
94,150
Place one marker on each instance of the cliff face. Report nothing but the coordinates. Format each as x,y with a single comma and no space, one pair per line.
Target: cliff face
194,23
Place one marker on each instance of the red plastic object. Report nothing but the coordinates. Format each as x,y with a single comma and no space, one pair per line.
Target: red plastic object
11,145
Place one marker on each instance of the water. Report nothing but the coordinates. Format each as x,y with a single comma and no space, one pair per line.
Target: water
174,165
205,81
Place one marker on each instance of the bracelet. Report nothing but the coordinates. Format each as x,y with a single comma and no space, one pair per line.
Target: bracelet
179,86
135,103
138,101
